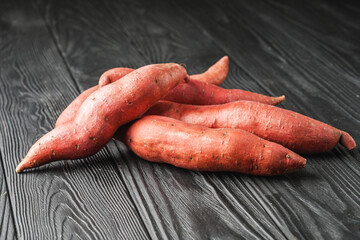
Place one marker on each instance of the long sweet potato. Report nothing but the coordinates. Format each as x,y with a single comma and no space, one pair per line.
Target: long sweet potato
290,129
200,93
103,112
195,147
200,90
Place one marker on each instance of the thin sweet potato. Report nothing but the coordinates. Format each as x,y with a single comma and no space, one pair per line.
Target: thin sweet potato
195,147
200,93
202,89
103,112
290,129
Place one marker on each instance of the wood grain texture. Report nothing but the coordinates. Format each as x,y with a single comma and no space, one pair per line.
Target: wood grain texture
7,227
83,199
303,51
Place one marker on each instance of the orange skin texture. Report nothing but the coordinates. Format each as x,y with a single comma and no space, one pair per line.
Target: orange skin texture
290,129
195,147
70,112
216,74
103,112
201,93
113,75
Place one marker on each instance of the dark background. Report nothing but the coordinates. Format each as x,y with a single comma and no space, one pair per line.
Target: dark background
50,51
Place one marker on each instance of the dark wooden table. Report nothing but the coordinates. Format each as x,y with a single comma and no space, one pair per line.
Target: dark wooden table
50,51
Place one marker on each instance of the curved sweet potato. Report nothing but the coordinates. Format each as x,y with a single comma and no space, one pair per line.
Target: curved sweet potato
103,112
195,147
200,93
200,90
290,129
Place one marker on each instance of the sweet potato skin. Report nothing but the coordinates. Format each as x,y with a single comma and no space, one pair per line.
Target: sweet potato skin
166,140
70,112
103,112
290,129
200,93
113,75
216,74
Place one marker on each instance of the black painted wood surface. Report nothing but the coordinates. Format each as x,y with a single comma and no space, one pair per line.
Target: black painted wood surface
52,50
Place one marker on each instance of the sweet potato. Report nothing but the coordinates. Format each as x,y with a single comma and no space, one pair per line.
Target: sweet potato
200,93
216,74
195,147
292,130
70,112
103,112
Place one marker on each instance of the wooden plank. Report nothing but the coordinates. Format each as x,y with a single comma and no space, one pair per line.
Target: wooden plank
176,203
7,228
83,199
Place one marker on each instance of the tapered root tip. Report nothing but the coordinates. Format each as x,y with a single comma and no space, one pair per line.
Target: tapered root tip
277,100
224,59
298,162
295,162
20,168
347,141
25,164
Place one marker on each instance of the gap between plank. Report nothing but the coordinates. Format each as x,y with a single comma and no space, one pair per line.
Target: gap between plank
7,189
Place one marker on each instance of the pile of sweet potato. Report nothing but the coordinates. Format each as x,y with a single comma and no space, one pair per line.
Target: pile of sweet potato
164,115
